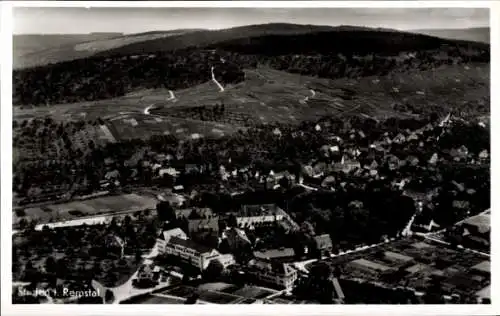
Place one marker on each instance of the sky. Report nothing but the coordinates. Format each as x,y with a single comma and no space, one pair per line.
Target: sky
136,20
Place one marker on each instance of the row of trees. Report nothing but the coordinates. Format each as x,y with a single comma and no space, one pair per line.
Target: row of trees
86,250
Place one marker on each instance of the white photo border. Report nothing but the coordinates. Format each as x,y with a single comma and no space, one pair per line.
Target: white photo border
7,308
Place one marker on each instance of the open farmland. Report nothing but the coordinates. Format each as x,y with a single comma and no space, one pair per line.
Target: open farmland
58,48
84,209
30,148
144,126
415,264
269,95
29,44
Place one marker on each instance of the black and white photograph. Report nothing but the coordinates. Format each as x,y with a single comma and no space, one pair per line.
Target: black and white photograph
249,155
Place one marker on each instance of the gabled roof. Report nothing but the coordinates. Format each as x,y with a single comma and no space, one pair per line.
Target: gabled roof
460,204
484,266
168,234
258,209
459,186
275,253
434,158
374,164
112,174
112,240
484,154
204,223
323,241
482,222
235,233
412,159
328,180
413,136
188,243
278,268
203,212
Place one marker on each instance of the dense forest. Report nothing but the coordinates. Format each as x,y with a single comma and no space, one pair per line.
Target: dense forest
101,78
355,42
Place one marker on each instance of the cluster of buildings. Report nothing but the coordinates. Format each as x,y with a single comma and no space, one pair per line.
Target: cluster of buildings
269,267
176,243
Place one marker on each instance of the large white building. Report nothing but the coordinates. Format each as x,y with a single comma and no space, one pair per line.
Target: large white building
175,242
165,238
280,275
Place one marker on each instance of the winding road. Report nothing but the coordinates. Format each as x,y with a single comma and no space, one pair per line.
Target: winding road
146,110
313,94
215,80
149,107
407,230
301,265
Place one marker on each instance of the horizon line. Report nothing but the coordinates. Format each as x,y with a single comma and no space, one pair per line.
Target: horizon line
219,29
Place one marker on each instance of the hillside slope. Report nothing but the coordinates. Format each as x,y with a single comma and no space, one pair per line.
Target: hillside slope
351,42
40,50
23,44
161,41
479,34
268,95
271,36
267,78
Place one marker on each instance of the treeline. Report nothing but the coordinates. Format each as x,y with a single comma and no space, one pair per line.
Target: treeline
334,66
100,78
210,113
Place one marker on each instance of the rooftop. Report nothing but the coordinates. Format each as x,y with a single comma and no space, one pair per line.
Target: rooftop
397,256
202,212
236,233
370,264
280,268
484,266
204,223
188,243
275,253
485,292
258,209
482,222
167,234
323,241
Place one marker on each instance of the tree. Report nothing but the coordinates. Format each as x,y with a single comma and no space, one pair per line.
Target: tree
186,277
23,223
138,256
109,297
232,221
50,265
165,211
307,229
214,270
192,299
127,220
284,183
